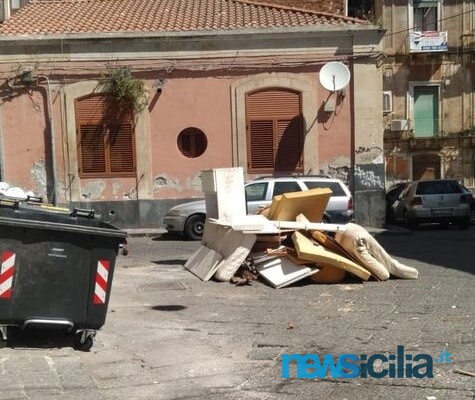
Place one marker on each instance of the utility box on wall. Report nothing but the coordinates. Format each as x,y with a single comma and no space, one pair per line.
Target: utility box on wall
224,193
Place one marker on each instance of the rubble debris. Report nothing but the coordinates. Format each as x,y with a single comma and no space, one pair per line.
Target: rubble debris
287,242
245,275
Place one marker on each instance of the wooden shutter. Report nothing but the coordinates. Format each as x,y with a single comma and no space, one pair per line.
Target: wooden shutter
261,153
121,150
289,145
274,131
106,143
92,149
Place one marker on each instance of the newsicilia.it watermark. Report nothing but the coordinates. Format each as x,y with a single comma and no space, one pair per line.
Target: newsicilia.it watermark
348,365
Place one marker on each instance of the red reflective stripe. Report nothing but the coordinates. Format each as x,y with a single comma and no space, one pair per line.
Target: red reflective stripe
101,282
97,300
6,255
7,274
7,270
100,285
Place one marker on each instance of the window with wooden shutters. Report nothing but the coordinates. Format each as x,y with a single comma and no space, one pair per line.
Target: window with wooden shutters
105,137
274,131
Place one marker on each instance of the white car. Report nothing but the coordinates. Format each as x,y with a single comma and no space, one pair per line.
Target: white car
189,218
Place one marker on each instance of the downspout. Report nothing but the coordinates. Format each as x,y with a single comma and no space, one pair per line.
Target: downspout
52,134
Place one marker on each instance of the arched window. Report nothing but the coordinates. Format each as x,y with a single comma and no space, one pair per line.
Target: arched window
274,131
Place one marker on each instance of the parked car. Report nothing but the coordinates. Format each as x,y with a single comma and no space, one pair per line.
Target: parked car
189,218
442,201
392,195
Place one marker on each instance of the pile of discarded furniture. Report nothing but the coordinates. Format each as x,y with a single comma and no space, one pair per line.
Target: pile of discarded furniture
285,243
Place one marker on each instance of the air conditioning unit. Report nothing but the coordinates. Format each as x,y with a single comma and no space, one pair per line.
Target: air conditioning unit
387,102
400,125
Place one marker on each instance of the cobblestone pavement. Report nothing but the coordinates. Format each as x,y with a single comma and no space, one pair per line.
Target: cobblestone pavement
170,336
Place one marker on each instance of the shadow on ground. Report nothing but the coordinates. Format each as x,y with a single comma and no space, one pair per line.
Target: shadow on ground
169,237
448,248
174,261
38,338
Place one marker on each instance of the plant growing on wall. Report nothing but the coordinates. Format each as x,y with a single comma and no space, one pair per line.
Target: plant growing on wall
126,90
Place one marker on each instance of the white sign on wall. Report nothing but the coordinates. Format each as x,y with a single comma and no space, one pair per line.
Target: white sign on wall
427,41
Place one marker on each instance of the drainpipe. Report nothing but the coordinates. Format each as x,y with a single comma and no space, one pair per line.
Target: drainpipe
52,134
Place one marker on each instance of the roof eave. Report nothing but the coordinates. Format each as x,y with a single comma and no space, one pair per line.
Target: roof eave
320,30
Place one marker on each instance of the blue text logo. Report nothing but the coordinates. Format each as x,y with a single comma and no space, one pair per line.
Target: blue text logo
399,365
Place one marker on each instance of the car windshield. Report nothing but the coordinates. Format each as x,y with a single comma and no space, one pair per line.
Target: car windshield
438,187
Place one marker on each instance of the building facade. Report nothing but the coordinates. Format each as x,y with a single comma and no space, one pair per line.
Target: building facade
428,89
239,87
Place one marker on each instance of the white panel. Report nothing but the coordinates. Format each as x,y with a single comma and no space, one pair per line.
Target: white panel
224,193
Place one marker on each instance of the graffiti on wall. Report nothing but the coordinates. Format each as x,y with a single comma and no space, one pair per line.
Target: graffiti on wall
369,176
367,155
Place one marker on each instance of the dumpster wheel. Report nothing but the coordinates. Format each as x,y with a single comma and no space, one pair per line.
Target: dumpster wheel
84,340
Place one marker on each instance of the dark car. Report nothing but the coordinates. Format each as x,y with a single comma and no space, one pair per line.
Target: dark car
392,195
471,202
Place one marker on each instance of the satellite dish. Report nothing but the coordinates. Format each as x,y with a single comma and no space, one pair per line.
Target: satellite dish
334,76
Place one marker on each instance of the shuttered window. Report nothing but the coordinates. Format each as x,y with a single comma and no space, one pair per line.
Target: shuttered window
105,137
274,131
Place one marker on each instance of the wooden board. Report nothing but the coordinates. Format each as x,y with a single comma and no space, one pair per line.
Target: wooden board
308,250
311,203
329,242
221,253
282,271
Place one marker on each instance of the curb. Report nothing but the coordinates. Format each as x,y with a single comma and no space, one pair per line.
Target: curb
145,232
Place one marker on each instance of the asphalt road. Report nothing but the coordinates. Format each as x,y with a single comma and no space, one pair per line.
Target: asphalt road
169,335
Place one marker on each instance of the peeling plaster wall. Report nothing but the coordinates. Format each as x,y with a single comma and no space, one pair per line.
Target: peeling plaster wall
38,177
24,160
340,168
108,189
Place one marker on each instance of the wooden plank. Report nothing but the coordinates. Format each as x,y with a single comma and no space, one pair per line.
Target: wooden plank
308,250
311,203
329,242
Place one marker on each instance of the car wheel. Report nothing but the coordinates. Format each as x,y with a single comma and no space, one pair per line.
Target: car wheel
194,227
408,221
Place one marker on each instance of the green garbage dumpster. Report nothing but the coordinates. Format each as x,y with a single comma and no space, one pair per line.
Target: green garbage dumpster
56,269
